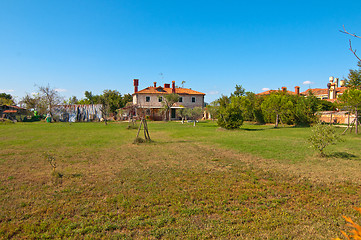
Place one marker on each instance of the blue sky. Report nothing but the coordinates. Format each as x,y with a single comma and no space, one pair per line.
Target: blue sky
211,45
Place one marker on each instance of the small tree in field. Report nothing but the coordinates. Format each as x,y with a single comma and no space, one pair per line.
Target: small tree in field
322,135
195,113
183,113
168,101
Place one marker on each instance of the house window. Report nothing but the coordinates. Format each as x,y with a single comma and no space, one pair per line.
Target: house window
147,99
160,99
180,99
193,99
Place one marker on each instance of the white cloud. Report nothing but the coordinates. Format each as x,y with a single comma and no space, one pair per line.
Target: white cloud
60,90
7,90
307,82
213,93
265,89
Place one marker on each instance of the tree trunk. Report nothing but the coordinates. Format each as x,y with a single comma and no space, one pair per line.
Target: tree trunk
356,129
277,119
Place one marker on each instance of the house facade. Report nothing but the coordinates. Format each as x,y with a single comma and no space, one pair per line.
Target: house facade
149,101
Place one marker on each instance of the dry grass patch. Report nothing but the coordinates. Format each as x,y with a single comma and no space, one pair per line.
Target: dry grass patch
168,189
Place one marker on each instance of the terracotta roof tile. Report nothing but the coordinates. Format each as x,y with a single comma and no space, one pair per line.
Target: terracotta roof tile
323,91
161,90
316,91
268,92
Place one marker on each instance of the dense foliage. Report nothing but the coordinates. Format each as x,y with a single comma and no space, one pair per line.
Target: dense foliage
354,78
230,113
277,107
6,99
42,101
112,100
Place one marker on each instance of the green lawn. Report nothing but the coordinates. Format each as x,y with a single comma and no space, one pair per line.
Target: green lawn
190,182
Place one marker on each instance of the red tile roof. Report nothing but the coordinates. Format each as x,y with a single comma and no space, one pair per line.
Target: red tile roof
162,90
268,92
322,91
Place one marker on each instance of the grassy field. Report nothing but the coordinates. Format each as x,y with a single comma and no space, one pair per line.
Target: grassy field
191,182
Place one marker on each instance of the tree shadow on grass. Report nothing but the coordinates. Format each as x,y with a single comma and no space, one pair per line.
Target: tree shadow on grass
343,155
301,126
170,141
253,129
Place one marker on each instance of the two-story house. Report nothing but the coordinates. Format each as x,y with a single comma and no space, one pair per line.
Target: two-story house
150,100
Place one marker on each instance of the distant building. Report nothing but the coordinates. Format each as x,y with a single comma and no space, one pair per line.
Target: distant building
335,88
13,112
150,100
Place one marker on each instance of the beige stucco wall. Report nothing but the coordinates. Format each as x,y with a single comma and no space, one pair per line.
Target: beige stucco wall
139,99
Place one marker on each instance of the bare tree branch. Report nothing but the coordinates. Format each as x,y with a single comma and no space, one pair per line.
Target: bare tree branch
346,32
353,35
353,51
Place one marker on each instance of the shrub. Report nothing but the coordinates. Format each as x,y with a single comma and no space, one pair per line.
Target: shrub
230,117
323,135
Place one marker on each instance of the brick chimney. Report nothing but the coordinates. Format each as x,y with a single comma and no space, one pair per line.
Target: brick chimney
166,85
173,86
284,89
297,90
155,84
136,84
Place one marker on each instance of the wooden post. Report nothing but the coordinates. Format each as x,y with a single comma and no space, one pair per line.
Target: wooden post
140,126
145,129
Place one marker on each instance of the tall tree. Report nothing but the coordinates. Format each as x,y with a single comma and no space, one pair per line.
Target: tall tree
240,91
113,100
354,78
72,100
34,102
50,97
126,99
278,104
6,99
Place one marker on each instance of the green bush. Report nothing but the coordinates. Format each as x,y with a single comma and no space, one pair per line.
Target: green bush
230,115
323,135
